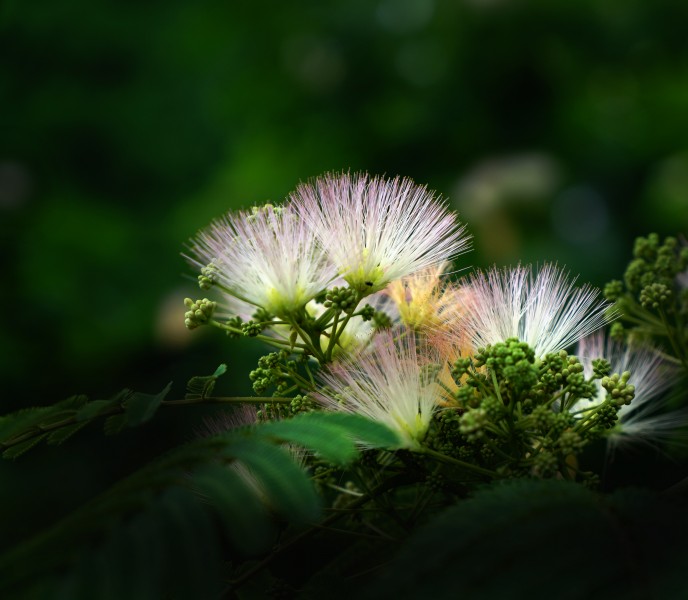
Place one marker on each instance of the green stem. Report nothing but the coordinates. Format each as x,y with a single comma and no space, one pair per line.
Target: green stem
308,340
226,400
459,463
333,337
385,486
267,339
672,340
310,374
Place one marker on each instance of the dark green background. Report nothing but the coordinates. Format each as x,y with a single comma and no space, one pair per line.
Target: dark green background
559,130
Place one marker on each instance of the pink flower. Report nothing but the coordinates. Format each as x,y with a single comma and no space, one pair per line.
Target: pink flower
267,257
377,230
645,419
544,310
388,383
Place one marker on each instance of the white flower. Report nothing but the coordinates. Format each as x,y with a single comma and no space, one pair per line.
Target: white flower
545,310
389,384
266,257
377,230
644,419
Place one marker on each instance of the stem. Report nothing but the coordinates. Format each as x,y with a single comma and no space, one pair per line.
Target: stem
672,340
310,375
267,339
333,337
227,400
308,342
381,489
459,463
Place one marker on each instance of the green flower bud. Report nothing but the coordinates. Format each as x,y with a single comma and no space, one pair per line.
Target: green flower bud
656,295
341,299
367,312
570,442
208,276
472,424
618,388
199,312
381,320
617,332
460,368
251,329
544,464
601,367
613,290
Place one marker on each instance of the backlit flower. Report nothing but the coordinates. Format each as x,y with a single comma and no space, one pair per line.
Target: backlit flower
544,310
377,230
388,383
267,257
645,419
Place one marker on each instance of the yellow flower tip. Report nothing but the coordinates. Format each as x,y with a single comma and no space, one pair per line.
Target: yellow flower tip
411,433
366,280
420,297
277,303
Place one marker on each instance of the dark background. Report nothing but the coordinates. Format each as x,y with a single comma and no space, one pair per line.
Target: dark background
558,130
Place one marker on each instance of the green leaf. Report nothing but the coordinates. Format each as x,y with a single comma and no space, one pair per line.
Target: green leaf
329,440
370,433
140,407
192,557
18,449
114,424
30,419
543,539
64,433
287,488
94,408
21,421
200,387
233,497
72,403
331,434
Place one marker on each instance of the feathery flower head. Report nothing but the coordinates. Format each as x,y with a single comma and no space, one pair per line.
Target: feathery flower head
267,257
423,302
387,383
642,420
544,310
377,230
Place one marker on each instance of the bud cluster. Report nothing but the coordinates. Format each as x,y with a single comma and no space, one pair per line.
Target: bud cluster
507,419
341,299
199,313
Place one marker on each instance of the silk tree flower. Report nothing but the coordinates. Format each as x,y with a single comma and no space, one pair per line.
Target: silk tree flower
377,230
643,420
266,257
424,302
387,383
544,310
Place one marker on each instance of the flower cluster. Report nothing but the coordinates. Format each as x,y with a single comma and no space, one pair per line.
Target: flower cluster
350,279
